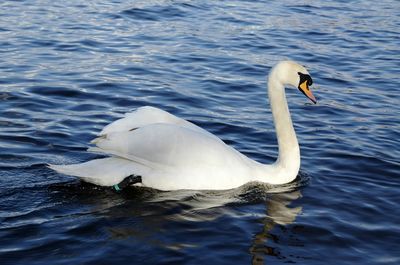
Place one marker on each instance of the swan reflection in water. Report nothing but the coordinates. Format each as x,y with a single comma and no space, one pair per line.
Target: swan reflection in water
186,221
278,213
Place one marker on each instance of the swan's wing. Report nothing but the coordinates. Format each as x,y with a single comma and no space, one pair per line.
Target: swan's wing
165,145
166,156
145,116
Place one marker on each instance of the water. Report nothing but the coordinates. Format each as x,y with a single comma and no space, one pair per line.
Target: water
67,68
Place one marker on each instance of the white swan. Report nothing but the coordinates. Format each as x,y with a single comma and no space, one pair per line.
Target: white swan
170,153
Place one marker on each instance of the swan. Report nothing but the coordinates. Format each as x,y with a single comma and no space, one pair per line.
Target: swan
153,148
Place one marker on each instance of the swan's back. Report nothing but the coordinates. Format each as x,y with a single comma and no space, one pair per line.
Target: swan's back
145,116
164,144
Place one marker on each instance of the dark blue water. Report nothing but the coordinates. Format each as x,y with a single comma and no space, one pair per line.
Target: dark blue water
67,68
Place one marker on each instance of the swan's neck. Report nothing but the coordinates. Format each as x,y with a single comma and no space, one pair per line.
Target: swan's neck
289,152
287,165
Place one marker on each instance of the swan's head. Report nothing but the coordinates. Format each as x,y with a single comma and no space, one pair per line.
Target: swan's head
295,75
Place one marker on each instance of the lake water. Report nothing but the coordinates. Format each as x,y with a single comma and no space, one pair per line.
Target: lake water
67,68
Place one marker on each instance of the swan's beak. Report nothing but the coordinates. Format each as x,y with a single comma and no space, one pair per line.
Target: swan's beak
303,87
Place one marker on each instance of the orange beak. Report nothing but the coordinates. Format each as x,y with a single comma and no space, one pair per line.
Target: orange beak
303,87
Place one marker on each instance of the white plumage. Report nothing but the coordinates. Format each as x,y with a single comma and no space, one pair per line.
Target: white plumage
170,153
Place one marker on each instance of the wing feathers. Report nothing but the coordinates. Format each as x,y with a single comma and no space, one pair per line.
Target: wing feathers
141,117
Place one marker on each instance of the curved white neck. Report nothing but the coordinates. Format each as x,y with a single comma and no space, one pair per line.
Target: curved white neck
287,165
289,151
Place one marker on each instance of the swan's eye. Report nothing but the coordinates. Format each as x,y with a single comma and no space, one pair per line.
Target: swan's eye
305,77
305,82
309,80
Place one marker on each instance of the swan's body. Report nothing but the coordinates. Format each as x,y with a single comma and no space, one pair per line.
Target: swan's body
170,153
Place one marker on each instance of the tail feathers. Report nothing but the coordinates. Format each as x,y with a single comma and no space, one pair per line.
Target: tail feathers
104,172
98,139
